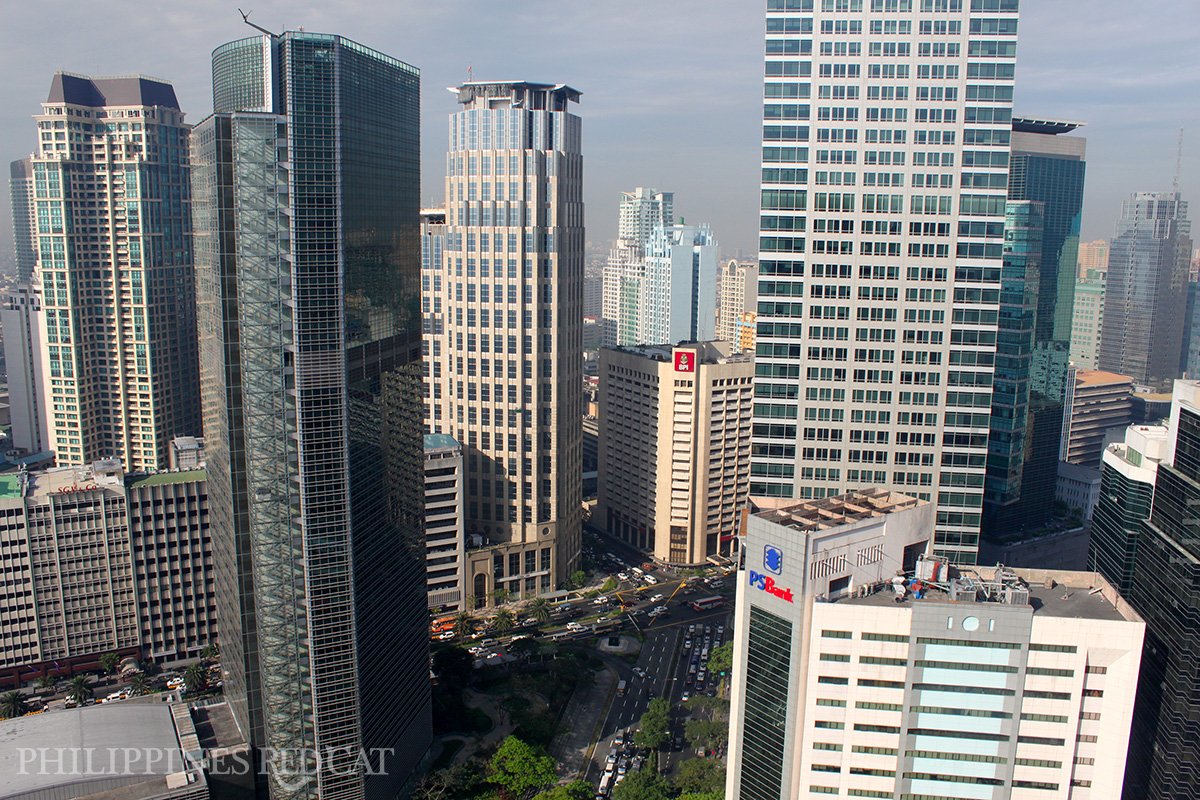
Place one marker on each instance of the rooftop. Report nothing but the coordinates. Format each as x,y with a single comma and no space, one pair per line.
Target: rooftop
1097,377
1053,593
1050,126
10,486
125,740
831,512
168,476
440,441
131,90
517,91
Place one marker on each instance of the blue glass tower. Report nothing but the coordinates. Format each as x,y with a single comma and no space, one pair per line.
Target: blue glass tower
306,208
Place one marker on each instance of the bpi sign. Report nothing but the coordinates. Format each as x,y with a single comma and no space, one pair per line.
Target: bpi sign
685,361
772,562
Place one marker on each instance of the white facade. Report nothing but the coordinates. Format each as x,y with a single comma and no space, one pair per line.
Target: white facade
737,305
1087,320
674,449
1020,687
642,212
886,139
679,300
25,354
445,534
507,364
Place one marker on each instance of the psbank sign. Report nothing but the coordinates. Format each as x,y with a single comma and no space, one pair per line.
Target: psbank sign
772,562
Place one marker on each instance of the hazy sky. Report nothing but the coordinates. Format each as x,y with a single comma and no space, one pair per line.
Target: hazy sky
671,91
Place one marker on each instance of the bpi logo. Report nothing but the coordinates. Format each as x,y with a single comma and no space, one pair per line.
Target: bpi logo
772,562
773,559
685,361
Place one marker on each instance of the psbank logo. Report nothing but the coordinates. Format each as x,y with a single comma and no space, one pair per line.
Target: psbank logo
772,559
767,584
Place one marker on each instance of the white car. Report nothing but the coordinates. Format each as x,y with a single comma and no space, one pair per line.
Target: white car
650,579
623,576
602,600
658,598
641,673
445,635
574,626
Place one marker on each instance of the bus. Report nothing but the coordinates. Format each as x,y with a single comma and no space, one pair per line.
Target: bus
707,603
621,688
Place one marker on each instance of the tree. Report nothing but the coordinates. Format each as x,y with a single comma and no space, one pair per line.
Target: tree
79,689
463,624
706,733
211,652
524,648
45,682
652,730
195,679
452,783
504,621
720,659
700,775
578,579
575,790
717,795
139,684
645,784
453,666
12,704
501,596
109,662
539,610
519,768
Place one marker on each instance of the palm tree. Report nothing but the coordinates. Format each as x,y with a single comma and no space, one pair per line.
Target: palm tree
195,679
539,609
12,704
139,684
211,652
109,662
501,596
504,621
45,682
463,624
79,689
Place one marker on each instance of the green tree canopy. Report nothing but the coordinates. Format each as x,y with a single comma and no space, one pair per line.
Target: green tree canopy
706,733
504,621
719,795
520,768
720,659
645,784
109,662
452,783
575,790
463,624
139,684
195,679
12,704
80,689
700,776
539,609
654,725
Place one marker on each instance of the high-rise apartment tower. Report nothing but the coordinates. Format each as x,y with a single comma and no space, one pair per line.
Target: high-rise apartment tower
886,142
508,361
114,264
306,187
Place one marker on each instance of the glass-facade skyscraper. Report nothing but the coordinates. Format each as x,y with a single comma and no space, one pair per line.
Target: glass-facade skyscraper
1145,293
1045,190
886,140
306,187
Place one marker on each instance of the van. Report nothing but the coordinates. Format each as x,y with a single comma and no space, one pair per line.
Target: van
486,643
650,579
621,688
638,571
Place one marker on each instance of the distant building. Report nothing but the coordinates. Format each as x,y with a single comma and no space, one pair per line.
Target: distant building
1087,322
434,281
1148,408
1099,404
150,595
642,212
1126,492
1166,592
117,751
445,531
674,449
24,217
737,305
1093,257
187,452
25,357
1146,289
1078,487
1014,681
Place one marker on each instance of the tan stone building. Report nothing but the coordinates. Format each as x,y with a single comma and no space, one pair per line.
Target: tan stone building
674,453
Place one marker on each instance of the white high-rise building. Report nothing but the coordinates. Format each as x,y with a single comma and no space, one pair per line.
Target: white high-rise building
25,357
642,212
507,361
886,140
860,670
737,304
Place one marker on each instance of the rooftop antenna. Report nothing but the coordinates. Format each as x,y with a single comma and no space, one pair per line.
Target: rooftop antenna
246,19
1178,162
470,73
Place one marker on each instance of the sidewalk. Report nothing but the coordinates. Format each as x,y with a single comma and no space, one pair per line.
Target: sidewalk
585,712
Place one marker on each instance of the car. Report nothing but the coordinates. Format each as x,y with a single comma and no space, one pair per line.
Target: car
619,741
494,656
529,621
574,626
444,636
650,579
661,609
641,673
687,644
700,675
174,683
686,696
602,600
612,759
623,576
658,598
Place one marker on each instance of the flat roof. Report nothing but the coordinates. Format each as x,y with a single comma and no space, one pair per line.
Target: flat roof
10,486
831,512
439,441
1040,125
1080,595
169,476
117,733
1089,377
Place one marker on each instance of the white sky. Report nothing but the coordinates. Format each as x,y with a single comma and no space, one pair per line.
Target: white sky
671,91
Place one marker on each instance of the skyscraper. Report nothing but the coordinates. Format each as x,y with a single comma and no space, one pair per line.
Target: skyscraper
883,375
1166,592
642,212
24,217
1088,322
1145,293
508,364
1045,208
737,304
306,201
114,263
1093,256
